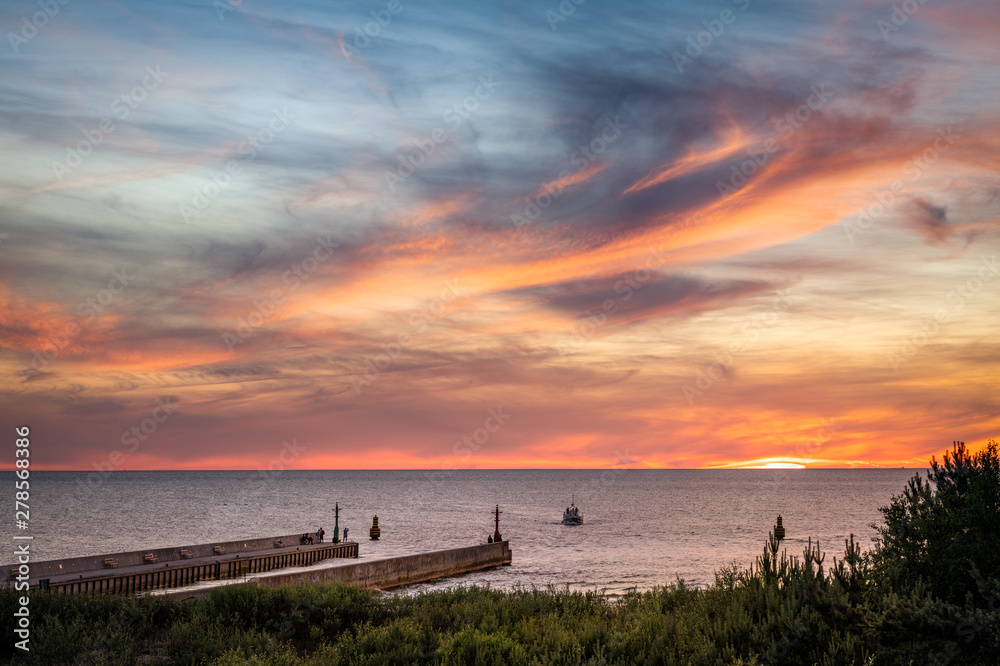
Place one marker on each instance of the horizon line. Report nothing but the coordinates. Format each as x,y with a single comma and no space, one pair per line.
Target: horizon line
491,469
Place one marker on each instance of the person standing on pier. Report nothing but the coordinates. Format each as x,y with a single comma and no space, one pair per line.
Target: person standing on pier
345,534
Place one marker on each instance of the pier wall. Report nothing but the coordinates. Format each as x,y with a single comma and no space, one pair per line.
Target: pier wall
402,570
160,555
235,563
145,578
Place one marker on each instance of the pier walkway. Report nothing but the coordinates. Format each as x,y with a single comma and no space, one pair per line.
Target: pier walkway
190,566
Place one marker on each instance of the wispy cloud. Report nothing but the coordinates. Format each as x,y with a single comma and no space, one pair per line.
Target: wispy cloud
825,134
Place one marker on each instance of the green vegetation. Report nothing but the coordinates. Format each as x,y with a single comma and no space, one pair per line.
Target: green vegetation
944,533
928,594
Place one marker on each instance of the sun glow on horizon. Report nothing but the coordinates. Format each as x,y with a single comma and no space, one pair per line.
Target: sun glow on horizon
764,463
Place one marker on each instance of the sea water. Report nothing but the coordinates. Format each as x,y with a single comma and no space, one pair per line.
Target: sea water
642,528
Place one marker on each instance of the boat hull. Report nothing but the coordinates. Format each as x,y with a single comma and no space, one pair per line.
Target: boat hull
571,516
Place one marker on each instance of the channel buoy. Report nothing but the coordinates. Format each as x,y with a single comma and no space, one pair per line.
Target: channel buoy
375,532
779,530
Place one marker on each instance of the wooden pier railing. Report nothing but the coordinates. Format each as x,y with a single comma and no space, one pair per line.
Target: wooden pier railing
180,573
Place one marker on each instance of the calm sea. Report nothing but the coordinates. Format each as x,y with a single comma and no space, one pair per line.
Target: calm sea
641,527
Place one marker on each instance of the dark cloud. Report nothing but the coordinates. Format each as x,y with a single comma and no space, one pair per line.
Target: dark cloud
930,220
641,295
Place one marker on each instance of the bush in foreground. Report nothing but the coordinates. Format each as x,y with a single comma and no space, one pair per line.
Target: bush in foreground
943,534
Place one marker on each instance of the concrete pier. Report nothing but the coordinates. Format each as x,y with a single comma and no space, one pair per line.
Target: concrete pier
157,555
404,570
140,571
188,565
387,572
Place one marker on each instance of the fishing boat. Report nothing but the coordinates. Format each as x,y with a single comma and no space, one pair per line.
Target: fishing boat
572,515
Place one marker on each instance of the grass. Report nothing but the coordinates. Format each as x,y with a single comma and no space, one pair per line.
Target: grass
782,611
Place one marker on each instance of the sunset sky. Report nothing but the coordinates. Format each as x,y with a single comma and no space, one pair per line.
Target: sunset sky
395,234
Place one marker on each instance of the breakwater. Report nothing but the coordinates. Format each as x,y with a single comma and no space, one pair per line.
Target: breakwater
390,571
142,570
402,570
73,565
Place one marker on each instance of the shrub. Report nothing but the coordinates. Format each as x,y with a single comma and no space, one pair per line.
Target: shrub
944,533
471,646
